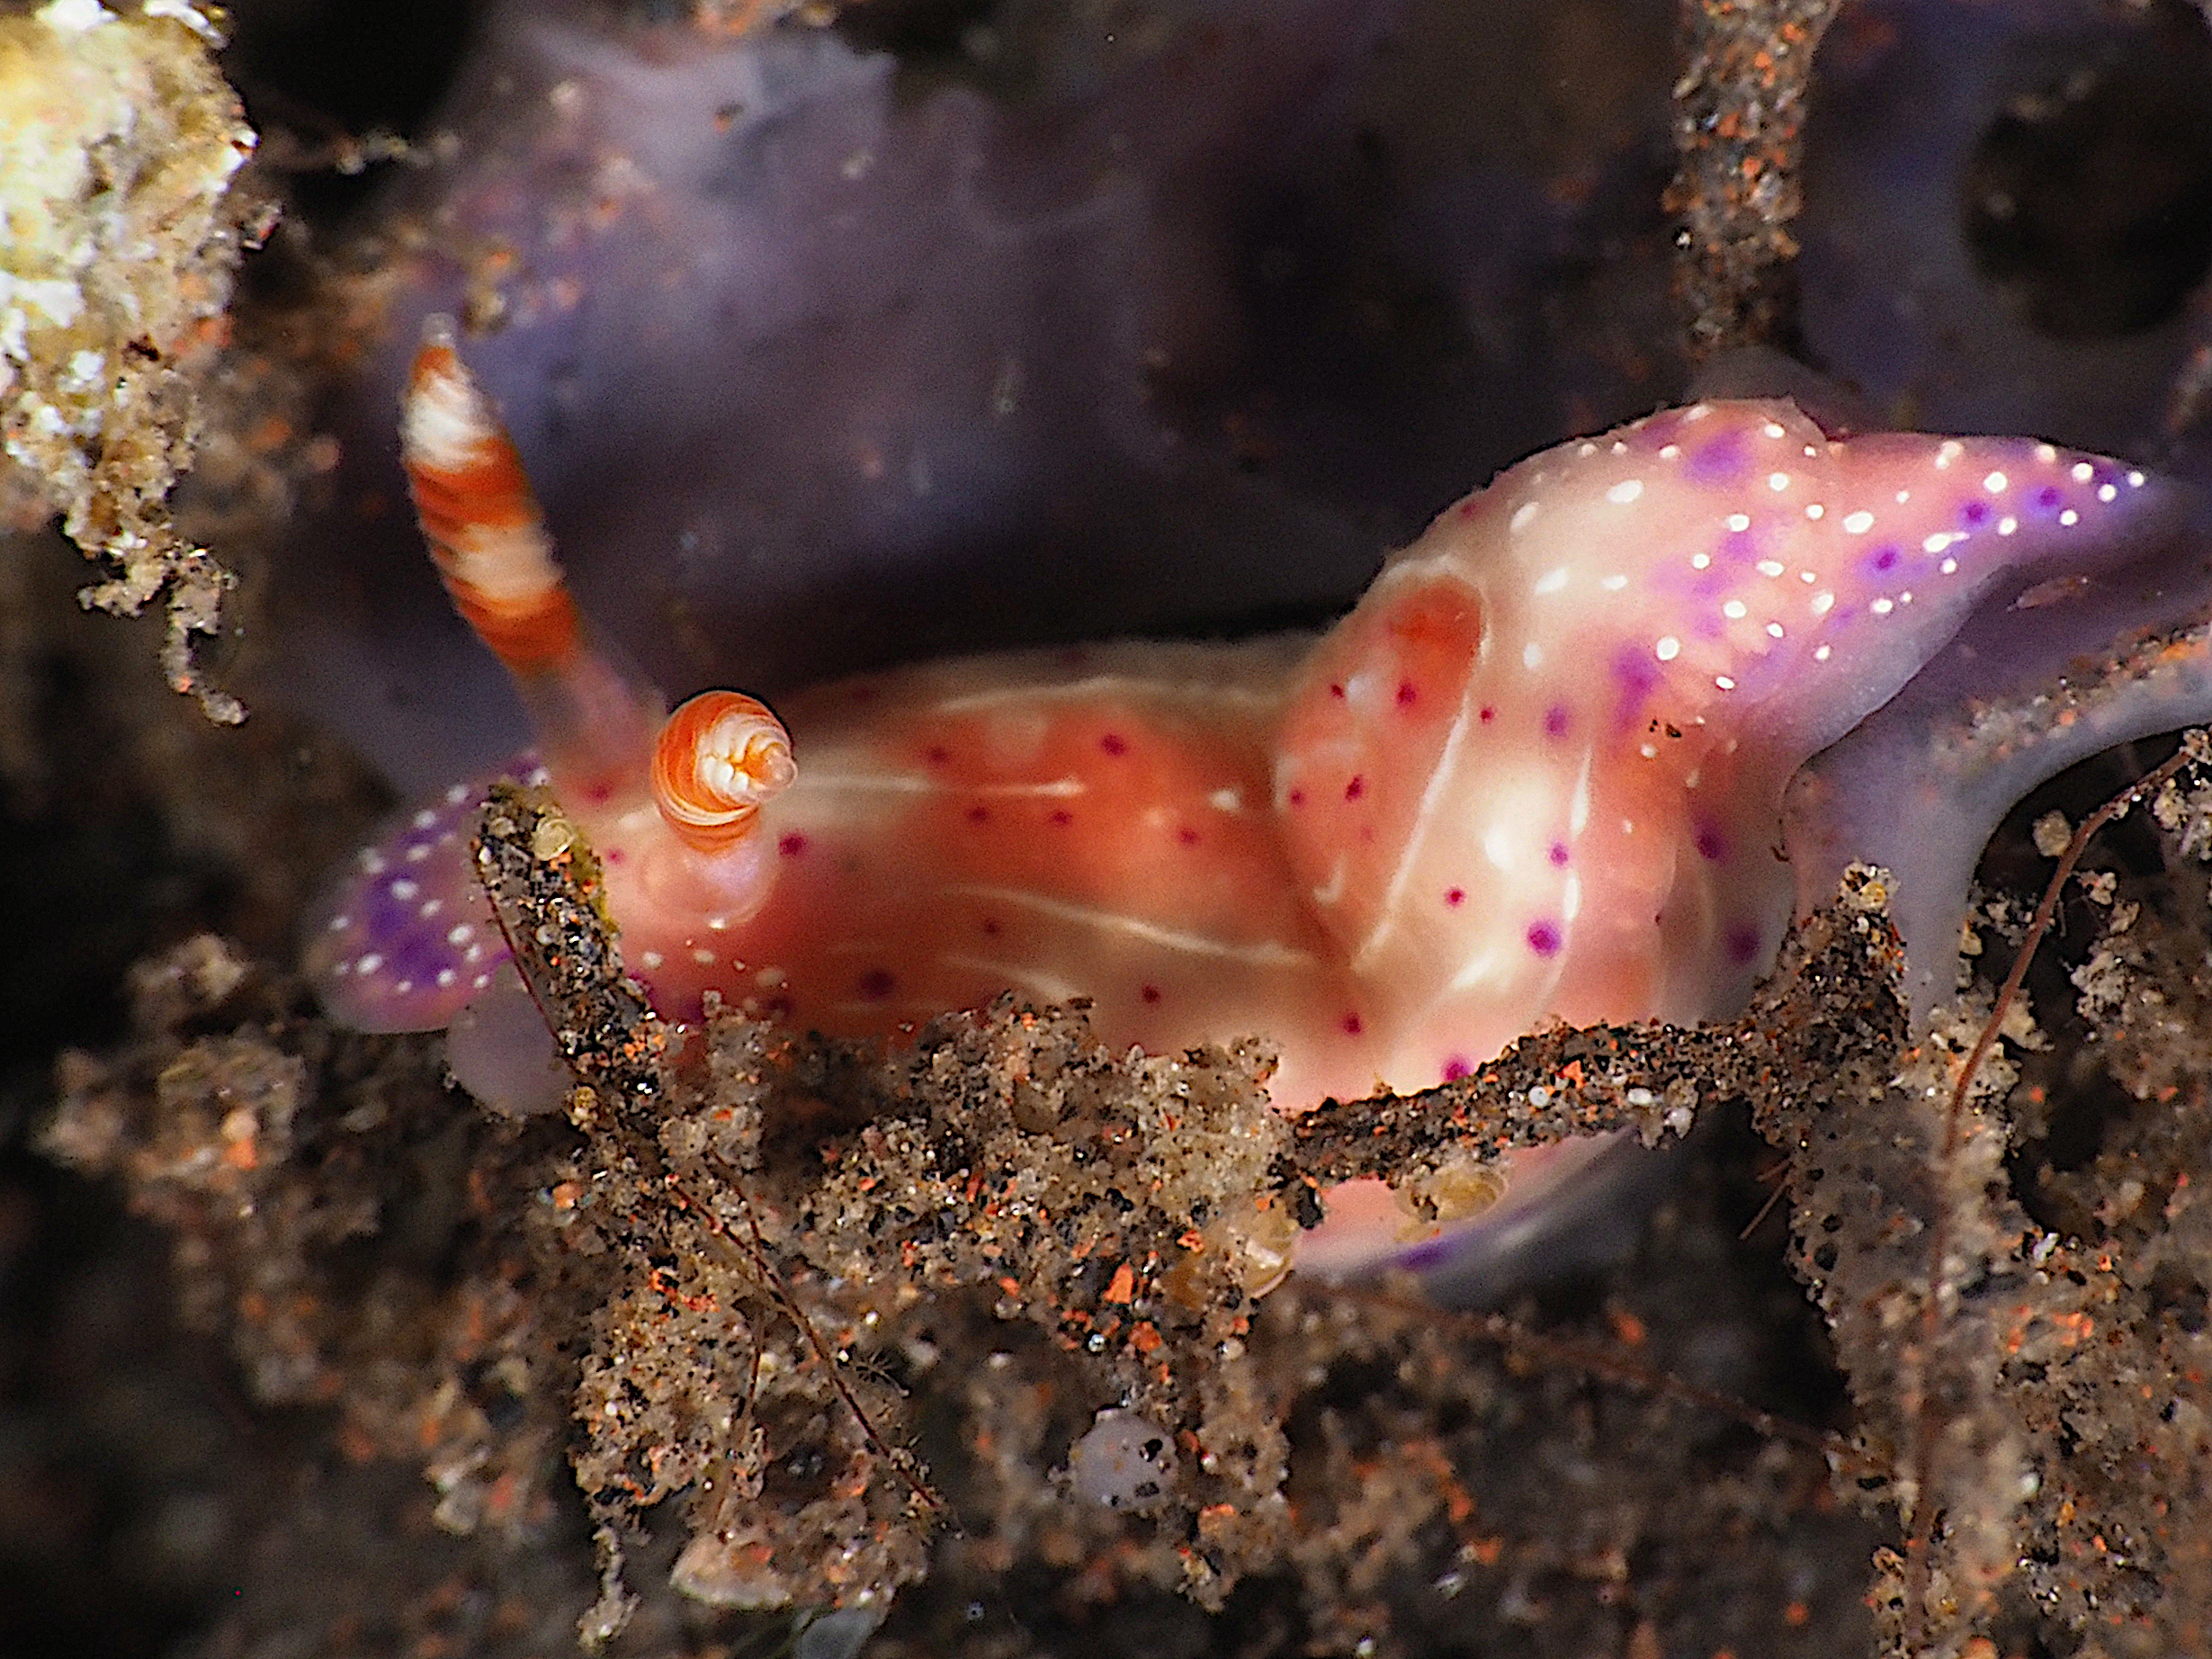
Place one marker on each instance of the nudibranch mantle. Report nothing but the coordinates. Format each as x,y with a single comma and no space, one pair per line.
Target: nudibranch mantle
1536,773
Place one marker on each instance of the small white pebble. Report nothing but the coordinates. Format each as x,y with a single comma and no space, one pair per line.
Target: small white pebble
1126,1462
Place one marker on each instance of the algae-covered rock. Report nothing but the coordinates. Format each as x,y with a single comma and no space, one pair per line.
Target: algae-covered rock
120,147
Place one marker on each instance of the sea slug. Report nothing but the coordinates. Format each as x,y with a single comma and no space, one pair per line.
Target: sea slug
1537,773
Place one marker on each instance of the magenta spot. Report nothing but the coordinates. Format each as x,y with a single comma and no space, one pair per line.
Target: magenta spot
1297,797
1555,721
991,926
1543,938
1151,994
938,754
1741,942
1455,1068
790,846
2048,495
1486,714
1188,836
1456,896
614,855
979,814
599,794
1466,507
1638,675
1060,815
1884,558
1710,843
1114,743
1336,690
1720,460
1406,693
1559,854
1351,1024
875,984
1974,513
1355,788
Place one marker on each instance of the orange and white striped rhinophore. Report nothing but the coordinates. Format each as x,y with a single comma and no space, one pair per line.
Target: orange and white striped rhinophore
481,518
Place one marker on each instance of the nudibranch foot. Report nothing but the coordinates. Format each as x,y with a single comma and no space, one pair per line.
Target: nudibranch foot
499,1050
1536,774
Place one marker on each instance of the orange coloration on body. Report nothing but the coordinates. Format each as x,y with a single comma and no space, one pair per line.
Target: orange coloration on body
1535,774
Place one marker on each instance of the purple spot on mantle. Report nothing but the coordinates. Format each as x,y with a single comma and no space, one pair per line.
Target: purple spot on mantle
1429,1254
1559,854
1974,513
1741,941
1455,1068
1114,743
1543,938
1456,897
1710,845
1637,675
2049,497
792,846
875,984
1884,558
1555,721
1720,460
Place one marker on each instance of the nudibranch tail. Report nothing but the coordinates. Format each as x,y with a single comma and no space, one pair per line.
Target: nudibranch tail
719,757
488,537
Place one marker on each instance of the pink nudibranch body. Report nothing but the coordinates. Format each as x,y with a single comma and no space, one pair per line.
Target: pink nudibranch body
1536,773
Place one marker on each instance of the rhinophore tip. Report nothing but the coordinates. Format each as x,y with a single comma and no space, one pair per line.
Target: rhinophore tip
719,757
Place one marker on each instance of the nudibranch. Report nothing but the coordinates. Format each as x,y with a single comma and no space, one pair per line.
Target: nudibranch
1538,772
